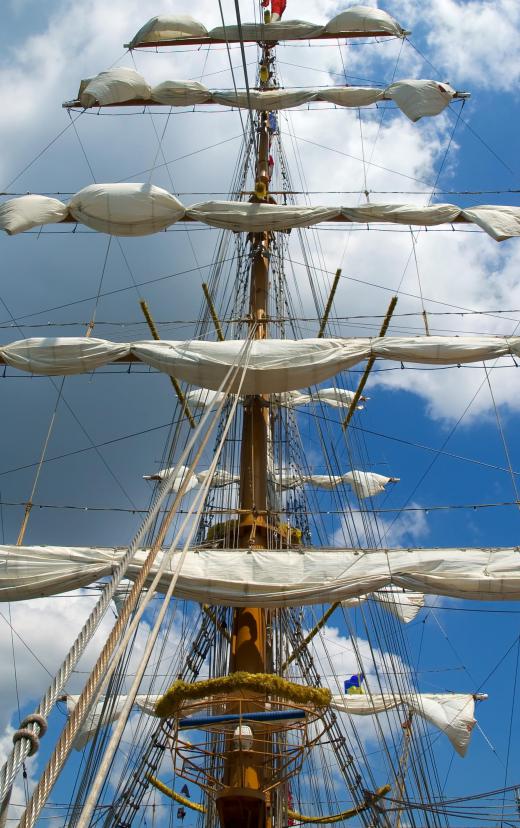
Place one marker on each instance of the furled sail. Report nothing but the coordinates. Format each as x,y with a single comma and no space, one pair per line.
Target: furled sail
220,477
335,397
263,366
362,20
415,98
364,484
452,713
129,209
273,578
402,603
107,710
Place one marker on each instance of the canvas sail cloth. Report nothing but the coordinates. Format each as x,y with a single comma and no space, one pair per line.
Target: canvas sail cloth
220,478
266,366
415,98
133,209
364,484
106,713
452,713
272,578
335,397
357,19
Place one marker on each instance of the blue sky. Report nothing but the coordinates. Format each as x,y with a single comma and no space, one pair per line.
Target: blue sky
52,279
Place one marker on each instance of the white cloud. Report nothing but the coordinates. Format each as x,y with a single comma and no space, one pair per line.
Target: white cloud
475,42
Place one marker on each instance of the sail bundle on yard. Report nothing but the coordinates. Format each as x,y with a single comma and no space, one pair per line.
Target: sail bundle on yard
219,478
364,484
357,20
452,713
270,577
415,98
264,367
129,209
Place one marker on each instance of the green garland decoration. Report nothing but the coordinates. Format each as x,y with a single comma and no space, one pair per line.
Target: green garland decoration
269,683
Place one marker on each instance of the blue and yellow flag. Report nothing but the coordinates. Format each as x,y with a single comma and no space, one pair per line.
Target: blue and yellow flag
353,684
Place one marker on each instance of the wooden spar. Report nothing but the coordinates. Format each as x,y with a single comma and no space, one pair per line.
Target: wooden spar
178,390
213,312
210,41
370,363
328,306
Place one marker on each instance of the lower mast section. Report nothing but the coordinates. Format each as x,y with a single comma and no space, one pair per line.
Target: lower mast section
242,803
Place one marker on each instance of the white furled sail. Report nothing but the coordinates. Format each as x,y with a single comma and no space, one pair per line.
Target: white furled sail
364,484
141,209
367,484
452,713
265,367
100,712
180,93
125,209
402,603
201,398
168,27
112,86
220,478
273,578
183,475
364,19
355,20
415,98
20,214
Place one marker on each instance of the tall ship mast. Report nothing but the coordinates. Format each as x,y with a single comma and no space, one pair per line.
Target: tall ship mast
253,647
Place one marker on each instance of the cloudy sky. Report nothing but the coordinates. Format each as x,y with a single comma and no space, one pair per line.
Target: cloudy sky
449,435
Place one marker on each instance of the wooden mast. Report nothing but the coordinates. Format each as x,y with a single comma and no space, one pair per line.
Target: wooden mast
243,803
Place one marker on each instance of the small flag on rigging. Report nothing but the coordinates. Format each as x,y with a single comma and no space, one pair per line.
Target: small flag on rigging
353,684
185,791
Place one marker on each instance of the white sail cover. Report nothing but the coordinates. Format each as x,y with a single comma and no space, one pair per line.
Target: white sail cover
239,215
452,713
415,98
268,32
200,398
364,19
183,475
221,477
267,366
140,209
168,27
180,93
367,484
113,86
100,711
273,578
125,209
335,397
357,19
20,214
402,603
364,484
